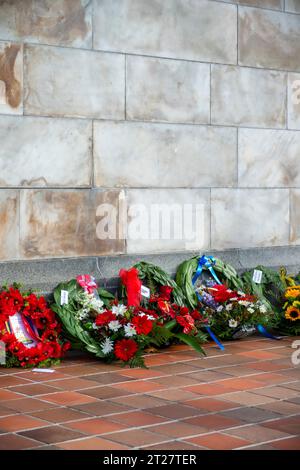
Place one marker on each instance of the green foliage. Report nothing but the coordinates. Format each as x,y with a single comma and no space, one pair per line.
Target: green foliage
154,276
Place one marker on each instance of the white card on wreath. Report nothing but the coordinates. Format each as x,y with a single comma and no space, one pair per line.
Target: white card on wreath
64,297
257,276
145,291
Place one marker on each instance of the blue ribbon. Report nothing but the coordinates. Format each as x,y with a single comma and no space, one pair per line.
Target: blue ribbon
207,262
262,330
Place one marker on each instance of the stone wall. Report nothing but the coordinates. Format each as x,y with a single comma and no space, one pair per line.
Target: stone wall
148,101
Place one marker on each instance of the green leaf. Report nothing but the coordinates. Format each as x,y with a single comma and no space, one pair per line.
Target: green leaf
190,341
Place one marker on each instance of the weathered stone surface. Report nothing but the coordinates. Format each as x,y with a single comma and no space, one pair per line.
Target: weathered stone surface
248,97
45,152
269,158
11,78
163,155
269,39
272,4
295,216
9,224
167,90
60,22
294,101
162,220
249,218
177,29
57,223
292,5
69,82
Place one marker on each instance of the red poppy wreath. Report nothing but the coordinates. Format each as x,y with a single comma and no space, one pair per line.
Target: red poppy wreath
29,330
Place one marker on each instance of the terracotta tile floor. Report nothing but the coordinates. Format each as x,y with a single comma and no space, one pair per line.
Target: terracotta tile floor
246,397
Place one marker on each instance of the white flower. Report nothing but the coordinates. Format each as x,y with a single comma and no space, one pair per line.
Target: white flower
107,346
150,317
232,323
263,309
240,292
233,298
114,325
245,303
94,326
251,310
220,308
96,304
141,314
129,330
228,307
119,309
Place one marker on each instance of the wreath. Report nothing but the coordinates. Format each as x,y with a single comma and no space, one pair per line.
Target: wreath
154,277
186,272
29,329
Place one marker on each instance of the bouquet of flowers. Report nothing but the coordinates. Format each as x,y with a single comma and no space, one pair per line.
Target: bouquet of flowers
181,323
96,322
232,314
29,329
290,324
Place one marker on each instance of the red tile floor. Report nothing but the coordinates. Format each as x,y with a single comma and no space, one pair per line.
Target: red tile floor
246,397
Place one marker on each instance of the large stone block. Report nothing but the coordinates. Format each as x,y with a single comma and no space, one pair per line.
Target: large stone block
294,101
162,220
295,216
45,152
9,225
175,29
242,218
60,22
167,90
70,82
163,155
11,78
57,223
248,97
292,5
269,158
272,4
269,39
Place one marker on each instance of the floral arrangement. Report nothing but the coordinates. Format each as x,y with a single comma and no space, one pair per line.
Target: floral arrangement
291,322
96,322
232,314
29,329
187,270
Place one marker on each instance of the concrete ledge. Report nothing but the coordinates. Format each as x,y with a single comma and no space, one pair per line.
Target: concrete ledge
44,275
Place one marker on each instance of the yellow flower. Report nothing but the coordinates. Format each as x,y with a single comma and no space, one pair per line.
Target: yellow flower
292,313
292,292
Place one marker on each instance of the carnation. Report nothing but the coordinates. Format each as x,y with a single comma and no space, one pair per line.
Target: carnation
114,325
119,310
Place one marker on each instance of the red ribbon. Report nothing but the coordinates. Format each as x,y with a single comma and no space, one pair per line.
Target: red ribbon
130,279
87,283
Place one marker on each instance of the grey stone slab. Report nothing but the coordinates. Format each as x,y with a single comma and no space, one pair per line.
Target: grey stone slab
60,223
9,224
45,152
242,218
269,158
294,101
269,39
271,4
71,82
60,22
167,90
248,97
11,78
175,29
163,155
162,220
292,6
295,216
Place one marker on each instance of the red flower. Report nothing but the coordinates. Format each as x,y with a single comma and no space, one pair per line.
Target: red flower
196,315
187,322
45,319
165,292
125,349
104,318
221,293
142,325
165,308
50,335
130,279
